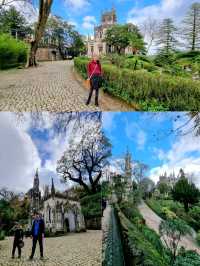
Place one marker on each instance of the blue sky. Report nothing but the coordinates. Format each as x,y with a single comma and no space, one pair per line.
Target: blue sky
26,146
150,140
86,13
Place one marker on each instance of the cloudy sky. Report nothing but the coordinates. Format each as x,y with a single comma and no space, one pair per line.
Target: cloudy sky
84,14
26,145
149,138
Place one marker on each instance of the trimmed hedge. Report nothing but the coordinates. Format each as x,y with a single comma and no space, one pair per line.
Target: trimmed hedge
13,53
140,248
172,93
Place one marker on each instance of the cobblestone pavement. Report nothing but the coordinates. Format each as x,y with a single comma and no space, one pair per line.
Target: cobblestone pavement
52,86
153,221
80,249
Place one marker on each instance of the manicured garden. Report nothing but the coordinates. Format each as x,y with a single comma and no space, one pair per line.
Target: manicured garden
138,80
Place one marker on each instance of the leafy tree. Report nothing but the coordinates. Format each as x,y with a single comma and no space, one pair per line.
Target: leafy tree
118,37
187,258
163,188
122,36
136,40
11,21
119,187
167,36
171,231
146,186
192,26
64,35
185,192
85,157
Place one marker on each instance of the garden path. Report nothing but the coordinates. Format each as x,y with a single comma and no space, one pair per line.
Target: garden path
53,87
74,249
153,221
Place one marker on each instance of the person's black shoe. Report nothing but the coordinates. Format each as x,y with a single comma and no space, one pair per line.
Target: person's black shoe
96,104
30,258
13,257
87,103
19,257
41,257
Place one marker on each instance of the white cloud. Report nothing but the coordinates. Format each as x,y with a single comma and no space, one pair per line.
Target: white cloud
108,119
18,155
164,9
136,134
181,155
89,22
175,9
77,5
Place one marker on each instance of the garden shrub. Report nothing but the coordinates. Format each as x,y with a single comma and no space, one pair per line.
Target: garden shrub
198,238
12,52
2,235
167,213
141,247
91,205
187,258
173,93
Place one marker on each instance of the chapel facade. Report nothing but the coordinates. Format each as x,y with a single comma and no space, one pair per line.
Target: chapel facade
60,213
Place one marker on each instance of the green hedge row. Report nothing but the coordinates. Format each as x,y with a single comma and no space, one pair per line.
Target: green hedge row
148,89
140,244
13,53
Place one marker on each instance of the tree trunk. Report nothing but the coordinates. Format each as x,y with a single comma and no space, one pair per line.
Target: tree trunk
32,55
186,206
44,10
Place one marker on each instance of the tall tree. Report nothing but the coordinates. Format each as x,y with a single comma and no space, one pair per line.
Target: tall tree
192,26
167,36
44,11
11,21
86,156
185,192
122,36
149,29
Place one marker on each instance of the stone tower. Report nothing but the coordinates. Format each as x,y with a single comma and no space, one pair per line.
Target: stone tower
53,191
109,17
128,167
128,173
35,195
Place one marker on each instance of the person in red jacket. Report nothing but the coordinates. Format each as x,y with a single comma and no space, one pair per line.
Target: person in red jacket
95,76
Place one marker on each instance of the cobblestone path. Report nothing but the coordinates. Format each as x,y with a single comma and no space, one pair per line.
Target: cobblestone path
153,221
80,249
52,86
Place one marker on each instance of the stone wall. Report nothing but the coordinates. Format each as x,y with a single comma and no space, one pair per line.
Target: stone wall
48,54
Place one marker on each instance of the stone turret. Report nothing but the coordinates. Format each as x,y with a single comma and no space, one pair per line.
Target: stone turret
128,167
53,191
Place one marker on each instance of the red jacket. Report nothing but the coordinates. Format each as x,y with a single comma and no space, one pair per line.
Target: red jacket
94,68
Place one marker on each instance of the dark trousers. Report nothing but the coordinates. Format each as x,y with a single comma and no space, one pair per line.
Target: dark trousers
16,245
96,82
35,239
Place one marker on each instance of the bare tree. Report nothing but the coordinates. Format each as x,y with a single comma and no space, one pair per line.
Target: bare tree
139,171
85,157
149,29
4,3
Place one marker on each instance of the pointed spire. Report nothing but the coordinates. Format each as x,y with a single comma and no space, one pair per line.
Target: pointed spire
36,180
36,173
53,192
